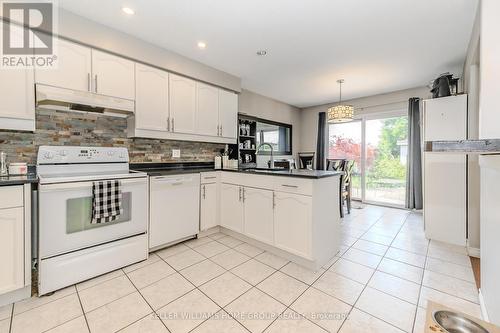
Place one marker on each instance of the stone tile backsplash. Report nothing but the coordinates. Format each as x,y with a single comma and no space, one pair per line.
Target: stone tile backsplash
62,128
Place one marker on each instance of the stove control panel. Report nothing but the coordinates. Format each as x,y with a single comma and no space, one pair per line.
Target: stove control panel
75,155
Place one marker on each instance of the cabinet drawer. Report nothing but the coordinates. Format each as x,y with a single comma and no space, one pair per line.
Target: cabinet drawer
293,185
248,180
209,177
11,196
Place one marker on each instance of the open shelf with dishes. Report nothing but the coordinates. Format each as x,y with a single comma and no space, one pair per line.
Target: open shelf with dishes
247,143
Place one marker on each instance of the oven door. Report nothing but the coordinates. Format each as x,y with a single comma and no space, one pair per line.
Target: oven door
65,213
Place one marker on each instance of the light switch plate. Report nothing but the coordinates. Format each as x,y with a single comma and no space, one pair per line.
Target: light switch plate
176,153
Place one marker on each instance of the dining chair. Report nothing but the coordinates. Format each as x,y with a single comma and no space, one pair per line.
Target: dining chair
335,164
307,160
338,164
346,187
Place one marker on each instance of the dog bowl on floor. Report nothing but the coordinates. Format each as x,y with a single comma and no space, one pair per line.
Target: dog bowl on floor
453,322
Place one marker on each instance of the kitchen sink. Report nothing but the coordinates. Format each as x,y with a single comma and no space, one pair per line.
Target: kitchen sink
453,322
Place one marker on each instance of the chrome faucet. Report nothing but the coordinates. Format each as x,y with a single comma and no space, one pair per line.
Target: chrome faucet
271,166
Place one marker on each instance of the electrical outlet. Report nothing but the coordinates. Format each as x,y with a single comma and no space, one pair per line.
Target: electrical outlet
176,153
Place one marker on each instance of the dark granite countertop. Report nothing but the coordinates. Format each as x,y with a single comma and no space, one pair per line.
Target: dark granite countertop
485,146
165,169
18,180
298,173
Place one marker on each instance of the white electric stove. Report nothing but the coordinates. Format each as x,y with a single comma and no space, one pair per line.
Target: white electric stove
71,249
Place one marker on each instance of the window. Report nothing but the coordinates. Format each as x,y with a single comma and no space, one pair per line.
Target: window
276,134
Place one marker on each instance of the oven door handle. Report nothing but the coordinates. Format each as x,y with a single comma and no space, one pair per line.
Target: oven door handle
76,185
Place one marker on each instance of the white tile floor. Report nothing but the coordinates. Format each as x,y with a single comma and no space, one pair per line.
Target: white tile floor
379,282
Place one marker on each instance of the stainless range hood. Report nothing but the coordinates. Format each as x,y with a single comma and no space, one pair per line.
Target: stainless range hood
56,98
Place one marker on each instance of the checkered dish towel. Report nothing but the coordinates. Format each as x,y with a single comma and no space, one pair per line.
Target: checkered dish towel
106,201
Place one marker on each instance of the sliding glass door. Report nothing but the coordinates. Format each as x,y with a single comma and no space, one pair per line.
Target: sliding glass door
378,144
386,145
345,142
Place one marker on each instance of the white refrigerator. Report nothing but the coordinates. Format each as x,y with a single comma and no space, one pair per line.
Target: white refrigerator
445,174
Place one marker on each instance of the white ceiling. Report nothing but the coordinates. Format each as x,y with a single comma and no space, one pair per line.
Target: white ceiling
377,46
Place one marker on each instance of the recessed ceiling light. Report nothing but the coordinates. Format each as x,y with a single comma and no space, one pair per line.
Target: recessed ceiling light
128,11
202,45
261,52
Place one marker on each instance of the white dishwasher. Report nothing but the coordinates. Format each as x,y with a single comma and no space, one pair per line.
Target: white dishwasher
174,209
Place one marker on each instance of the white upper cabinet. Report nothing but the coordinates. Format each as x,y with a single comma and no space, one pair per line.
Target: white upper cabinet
445,118
74,68
113,76
17,98
151,100
228,113
182,103
207,110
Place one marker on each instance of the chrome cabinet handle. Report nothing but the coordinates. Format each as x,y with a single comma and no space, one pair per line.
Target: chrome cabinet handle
240,196
173,128
168,123
89,88
274,200
210,177
204,192
95,83
243,194
217,130
291,186
220,130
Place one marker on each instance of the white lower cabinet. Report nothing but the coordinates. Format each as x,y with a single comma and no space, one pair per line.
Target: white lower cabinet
15,243
174,208
231,207
258,212
11,249
293,223
276,218
208,206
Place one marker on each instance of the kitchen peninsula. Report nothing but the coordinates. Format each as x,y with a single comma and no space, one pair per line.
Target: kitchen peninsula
293,214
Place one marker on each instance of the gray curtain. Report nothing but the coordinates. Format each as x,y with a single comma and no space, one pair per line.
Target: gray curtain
321,144
414,198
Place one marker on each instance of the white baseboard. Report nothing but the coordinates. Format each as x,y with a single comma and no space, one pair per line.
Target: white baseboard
210,231
484,313
474,252
15,296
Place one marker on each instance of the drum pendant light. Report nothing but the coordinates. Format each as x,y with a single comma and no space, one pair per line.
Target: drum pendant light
340,113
